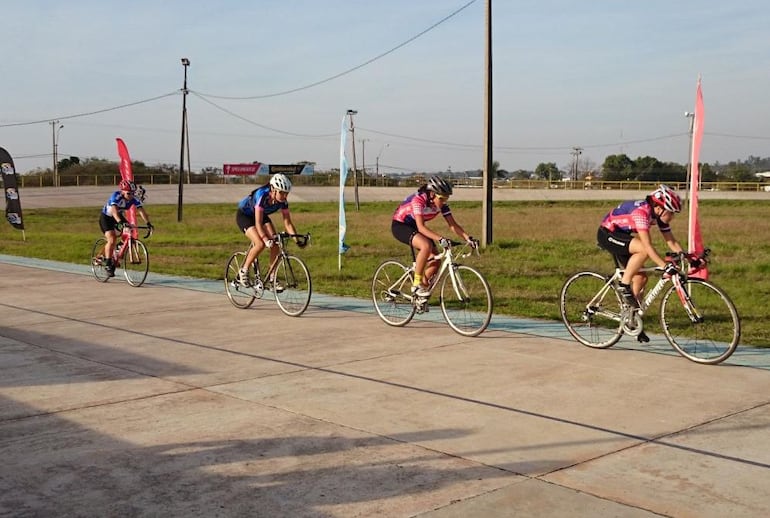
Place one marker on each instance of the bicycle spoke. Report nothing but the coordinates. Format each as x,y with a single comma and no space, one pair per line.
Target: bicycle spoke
240,296
466,301
391,293
293,287
135,262
709,331
98,261
592,320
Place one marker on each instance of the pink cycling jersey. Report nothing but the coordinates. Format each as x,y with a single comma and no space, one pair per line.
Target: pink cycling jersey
418,203
632,216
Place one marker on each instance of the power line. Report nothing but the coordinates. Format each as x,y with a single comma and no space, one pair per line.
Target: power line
350,70
233,114
86,114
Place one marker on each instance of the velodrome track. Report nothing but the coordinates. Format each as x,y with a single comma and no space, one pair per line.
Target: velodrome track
174,403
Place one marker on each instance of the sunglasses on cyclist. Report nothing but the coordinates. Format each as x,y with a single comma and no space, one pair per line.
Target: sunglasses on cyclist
442,197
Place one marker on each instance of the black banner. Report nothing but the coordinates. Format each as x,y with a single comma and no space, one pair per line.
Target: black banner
11,187
285,168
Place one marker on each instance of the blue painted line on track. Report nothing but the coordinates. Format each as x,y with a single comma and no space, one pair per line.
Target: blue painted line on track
745,356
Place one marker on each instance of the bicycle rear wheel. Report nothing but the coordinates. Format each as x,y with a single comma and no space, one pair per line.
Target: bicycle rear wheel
240,296
98,261
136,263
591,310
714,336
293,277
466,303
391,293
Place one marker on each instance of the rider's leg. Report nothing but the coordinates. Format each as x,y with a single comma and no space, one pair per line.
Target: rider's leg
424,247
109,247
257,246
631,275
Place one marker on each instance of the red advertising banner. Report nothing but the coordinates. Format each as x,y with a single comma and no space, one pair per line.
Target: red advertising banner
240,169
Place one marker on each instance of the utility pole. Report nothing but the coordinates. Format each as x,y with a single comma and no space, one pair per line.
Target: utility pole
185,64
576,152
55,137
363,161
355,170
691,116
377,165
488,183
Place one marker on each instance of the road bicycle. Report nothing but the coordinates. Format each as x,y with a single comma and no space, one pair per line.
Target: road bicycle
130,254
698,319
464,294
287,277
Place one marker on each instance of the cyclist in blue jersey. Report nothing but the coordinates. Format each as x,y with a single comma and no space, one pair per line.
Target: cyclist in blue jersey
113,214
625,233
253,219
408,226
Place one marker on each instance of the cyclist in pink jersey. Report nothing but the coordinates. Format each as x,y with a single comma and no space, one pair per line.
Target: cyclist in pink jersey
625,233
408,226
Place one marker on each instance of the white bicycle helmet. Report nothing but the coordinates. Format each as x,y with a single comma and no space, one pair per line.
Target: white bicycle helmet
664,196
280,182
439,186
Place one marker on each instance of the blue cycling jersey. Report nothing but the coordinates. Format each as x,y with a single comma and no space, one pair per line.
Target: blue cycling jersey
260,198
123,204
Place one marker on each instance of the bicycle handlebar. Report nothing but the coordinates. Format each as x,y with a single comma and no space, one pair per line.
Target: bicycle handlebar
687,259
302,239
121,226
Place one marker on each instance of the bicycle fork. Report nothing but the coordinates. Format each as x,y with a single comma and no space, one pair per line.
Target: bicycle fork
686,300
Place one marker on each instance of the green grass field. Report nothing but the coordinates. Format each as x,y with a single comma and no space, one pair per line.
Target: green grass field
536,246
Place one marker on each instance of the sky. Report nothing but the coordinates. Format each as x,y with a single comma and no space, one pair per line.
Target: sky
271,81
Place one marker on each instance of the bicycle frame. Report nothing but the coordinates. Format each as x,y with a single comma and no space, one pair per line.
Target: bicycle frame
282,256
446,267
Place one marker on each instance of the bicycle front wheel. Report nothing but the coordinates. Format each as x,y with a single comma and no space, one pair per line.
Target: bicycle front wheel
240,296
711,334
292,286
466,300
591,310
98,261
136,263
391,293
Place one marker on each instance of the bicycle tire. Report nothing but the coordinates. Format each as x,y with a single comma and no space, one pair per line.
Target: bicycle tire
712,339
467,307
98,261
135,263
599,326
293,274
393,303
240,296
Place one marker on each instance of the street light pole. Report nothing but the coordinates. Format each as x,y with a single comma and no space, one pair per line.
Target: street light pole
363,161
377,164
185,64
55,136
355,170
691,116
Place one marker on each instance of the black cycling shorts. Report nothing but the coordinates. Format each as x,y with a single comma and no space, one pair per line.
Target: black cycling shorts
616,243
403,231
245,222
107,223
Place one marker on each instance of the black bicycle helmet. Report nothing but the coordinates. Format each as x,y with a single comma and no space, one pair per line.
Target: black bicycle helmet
439,186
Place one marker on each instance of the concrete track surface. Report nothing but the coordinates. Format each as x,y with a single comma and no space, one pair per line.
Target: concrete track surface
165,400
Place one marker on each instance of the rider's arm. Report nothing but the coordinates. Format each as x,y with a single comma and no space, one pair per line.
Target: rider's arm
456,228
422,229
649,250
288,224
143,214
672,243
115,213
